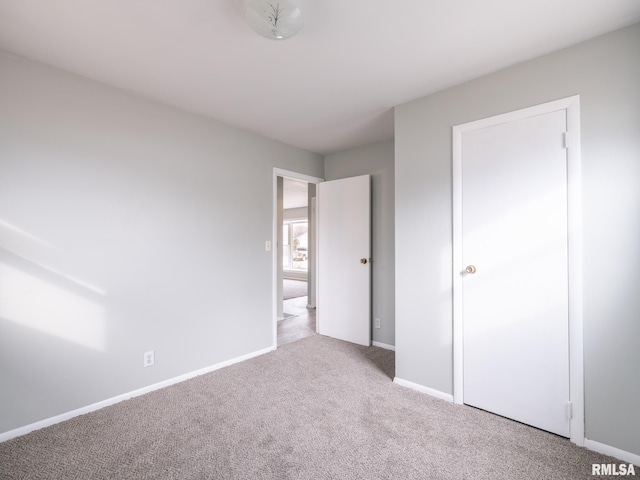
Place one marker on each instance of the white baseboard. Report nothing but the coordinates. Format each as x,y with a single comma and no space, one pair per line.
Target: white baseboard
612,451
422,389
386,346
125,396
590,444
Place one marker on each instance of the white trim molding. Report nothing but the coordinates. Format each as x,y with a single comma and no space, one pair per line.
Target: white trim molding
125,396
386,346
422,389
612,451
574,207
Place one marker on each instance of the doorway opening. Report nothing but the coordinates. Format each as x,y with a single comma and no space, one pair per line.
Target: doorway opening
298,312
294,256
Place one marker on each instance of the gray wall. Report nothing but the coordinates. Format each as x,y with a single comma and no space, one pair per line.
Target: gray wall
376,160
605,72
125,226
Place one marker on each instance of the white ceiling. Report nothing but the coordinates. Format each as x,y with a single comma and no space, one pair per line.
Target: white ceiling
294,193
330,87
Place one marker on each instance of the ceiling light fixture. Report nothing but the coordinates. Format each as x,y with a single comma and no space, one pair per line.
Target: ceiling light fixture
274,19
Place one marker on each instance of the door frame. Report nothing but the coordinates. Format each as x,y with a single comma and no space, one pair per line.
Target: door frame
574,226
279,172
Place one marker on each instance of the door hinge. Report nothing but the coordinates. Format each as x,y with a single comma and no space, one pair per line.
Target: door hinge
569,410
566,139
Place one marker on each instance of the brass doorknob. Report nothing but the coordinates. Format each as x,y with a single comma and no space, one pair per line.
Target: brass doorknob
363,261
470,269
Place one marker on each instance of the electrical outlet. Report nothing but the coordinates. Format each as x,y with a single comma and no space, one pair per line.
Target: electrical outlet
377,323
267,245
149,359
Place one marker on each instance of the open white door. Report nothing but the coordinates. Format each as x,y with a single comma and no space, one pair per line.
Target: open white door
344,250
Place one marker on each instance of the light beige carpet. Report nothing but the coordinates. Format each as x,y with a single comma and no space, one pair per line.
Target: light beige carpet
314,409
293,288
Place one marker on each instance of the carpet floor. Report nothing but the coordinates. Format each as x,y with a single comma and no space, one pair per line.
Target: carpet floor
318,408
293,288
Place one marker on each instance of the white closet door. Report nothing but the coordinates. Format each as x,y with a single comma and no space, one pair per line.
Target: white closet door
514,243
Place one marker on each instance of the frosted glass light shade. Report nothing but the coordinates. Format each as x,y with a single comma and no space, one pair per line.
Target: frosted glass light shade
274,19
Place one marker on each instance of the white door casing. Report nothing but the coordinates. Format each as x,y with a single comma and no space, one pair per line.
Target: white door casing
344,263
517,319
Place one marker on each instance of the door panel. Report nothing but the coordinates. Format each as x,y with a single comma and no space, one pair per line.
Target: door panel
515,305
344,238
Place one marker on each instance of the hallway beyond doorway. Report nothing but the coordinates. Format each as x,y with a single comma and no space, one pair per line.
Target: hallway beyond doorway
299,321
294,288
